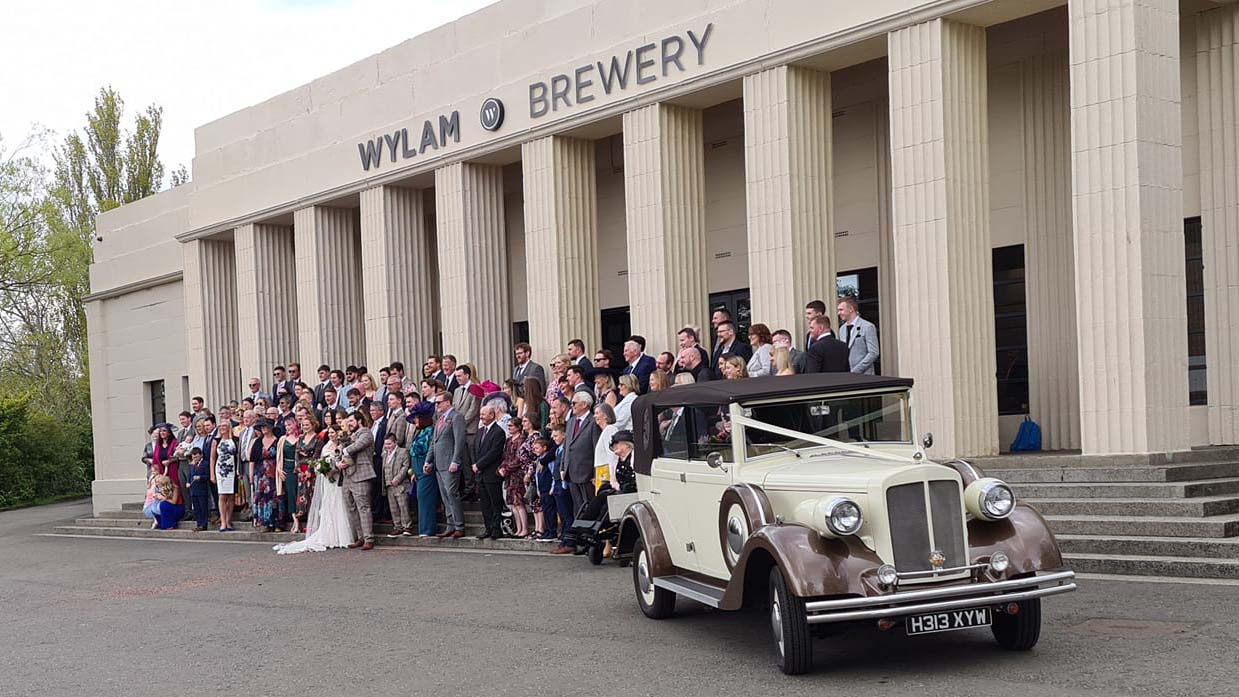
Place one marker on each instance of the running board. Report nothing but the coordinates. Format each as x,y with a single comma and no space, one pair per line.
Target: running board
693,590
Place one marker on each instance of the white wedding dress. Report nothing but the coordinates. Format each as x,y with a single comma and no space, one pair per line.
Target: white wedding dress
327,524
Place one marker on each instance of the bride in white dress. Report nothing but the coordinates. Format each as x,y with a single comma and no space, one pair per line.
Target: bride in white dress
327,524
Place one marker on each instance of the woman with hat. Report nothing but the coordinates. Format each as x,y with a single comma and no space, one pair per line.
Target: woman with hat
265,456
421,416
623,476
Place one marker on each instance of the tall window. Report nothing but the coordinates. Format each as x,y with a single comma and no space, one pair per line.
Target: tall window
520,332
738,303
1011,329
1194,254
158,410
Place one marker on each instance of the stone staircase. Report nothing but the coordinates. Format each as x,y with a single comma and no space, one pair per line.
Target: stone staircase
128,522
1175,518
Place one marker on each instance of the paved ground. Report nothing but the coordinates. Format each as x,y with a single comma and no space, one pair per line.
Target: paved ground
104,617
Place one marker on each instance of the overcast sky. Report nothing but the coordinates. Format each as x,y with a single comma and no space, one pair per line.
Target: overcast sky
197,59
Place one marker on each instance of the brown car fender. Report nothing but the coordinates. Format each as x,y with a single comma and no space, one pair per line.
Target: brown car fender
813,566
758,513
1023,536
640,522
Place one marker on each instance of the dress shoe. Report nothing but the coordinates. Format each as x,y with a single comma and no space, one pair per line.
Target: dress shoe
445,533
356,544
561,549
407,533
367,547
457,535
483,536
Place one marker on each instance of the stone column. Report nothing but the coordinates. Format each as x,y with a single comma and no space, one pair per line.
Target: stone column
561,244
888,333
473,273
664,192
266,301
940,193
1126,176
787,176
328,256
211,320
399,288
1217,78
1053,372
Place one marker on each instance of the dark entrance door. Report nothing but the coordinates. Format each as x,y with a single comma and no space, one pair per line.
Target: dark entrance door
861,284
616,328
737,303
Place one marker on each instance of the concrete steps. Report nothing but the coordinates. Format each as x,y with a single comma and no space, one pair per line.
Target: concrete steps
1178,517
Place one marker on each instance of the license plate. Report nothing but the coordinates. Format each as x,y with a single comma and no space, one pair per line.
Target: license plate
949,621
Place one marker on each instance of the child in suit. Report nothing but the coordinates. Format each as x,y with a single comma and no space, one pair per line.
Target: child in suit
199,487
545,479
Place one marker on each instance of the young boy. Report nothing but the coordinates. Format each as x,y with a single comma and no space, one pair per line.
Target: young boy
560,492
546,482
200,487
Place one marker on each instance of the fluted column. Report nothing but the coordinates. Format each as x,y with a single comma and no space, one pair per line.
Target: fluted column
664,190
266,310
211,320
328,255
399,288
888,333
473,272
1053,372
1217,79
940,187
561,243
1126,175
787,176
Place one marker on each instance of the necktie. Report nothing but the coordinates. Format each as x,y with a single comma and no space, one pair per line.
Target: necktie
847,333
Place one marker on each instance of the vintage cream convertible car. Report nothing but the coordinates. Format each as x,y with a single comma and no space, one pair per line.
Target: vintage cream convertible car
810,496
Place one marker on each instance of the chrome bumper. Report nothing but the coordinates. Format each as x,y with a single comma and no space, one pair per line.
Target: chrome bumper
934,599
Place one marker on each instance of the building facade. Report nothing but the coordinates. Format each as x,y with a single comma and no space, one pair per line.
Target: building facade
1037,203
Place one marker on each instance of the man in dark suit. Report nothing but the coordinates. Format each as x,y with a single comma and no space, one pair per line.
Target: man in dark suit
728,344
827,354
436,369
282,385
449,369
324,379
639,364
576,354
812,310
690,362
378,498
581,437
490,442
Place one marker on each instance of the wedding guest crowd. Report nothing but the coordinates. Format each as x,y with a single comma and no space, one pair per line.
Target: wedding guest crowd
411,449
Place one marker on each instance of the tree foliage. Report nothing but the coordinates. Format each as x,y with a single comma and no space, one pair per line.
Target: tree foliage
47,226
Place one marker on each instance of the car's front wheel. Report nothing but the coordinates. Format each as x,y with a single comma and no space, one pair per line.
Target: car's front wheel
1019,631
657,603
790,625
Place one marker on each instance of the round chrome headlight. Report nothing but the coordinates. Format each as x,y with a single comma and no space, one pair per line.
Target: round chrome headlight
887,575
843,516
998,562
989,499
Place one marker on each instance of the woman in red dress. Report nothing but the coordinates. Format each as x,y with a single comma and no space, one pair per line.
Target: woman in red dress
514,477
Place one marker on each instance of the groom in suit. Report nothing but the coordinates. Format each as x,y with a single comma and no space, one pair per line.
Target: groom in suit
359,479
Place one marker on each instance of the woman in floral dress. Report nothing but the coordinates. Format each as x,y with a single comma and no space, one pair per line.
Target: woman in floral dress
528,460
264,456
308,448
514,477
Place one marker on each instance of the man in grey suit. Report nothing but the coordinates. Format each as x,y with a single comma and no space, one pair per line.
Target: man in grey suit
396,423
859,334
581,438
468,405
396,482
526,367
358,469
447,451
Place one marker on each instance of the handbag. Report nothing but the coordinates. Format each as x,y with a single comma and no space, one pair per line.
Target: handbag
531,492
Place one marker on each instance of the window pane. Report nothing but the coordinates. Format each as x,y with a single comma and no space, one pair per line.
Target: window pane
673,427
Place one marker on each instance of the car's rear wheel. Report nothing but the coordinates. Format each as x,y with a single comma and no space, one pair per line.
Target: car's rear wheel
1019,631
657,603
790,626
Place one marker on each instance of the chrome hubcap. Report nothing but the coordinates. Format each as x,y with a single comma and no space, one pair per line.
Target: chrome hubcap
644,585
776,621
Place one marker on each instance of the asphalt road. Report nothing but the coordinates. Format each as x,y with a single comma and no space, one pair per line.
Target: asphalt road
105,618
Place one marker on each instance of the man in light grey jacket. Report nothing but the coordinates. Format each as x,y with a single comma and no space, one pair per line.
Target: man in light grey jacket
448,448
859,334
358,469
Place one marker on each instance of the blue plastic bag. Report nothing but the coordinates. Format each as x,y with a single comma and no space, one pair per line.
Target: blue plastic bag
1028,438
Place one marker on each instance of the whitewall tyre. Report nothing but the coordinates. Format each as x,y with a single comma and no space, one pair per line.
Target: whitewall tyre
656,603
793,645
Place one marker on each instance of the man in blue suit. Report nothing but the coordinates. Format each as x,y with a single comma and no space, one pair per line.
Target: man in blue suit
637,363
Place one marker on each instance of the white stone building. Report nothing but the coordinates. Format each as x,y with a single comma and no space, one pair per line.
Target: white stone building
1037,203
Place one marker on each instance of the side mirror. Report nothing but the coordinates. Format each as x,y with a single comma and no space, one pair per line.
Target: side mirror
927,440
715,460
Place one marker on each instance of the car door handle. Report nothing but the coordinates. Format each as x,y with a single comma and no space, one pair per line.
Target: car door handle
655,491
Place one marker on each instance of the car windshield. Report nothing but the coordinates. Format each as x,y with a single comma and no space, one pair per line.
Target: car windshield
871,418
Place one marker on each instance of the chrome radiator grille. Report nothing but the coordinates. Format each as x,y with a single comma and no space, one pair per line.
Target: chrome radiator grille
919,528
